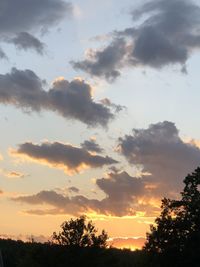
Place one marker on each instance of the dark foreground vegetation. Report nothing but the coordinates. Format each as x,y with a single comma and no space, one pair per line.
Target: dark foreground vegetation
173,241
19,254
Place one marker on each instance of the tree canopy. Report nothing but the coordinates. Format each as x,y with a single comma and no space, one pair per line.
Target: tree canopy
177,229
79,233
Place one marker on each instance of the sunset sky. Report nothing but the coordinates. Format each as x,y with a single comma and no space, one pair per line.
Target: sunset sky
99,112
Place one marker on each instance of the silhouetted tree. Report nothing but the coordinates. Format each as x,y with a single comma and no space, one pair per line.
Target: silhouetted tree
177,229
79,233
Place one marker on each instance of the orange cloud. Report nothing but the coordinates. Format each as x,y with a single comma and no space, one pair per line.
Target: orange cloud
67,157
14,174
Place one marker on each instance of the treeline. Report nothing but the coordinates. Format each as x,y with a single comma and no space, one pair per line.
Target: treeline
21,254
173,241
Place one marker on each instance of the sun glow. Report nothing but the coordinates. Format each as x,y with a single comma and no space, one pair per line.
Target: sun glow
131,243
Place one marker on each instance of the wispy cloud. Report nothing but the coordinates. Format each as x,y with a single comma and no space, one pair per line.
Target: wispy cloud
27,41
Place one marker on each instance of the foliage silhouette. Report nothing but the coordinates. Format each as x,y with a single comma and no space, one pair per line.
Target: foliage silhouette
79,233
21,254
177,229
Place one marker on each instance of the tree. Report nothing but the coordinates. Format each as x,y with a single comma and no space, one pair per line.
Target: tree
79,233
177,229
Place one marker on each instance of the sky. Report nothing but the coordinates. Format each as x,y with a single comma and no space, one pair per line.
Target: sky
99,104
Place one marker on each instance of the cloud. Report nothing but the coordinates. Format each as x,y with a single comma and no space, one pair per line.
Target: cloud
108,103
162,153
26,41
164,158
2,54
92,146
1,192
38,17
73,189
104,63
75,99
71,100
14,174
61,204
123,195
65,156
163,33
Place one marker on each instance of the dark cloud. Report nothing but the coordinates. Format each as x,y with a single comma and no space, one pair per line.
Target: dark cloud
24,17
163,154
73,189
72,100
23,89
106,62
61,204
2,54
122,191
92,146
70,158
163,33
26,41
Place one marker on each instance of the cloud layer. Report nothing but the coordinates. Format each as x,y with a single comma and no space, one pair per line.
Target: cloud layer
124,196
65,156
72,100
163,33
165,158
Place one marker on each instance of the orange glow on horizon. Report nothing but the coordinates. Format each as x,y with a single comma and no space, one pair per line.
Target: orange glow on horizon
131,243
